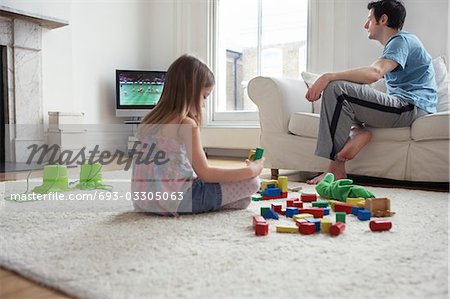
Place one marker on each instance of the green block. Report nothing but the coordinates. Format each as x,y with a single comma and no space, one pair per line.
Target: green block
257,197
264,210
340,217
320,204
259,153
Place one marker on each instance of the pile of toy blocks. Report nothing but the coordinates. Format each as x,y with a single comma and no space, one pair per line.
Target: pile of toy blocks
272,189
308,214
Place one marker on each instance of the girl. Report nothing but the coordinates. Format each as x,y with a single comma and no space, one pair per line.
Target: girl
169,136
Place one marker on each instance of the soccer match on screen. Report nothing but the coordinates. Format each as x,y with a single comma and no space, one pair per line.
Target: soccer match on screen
140,88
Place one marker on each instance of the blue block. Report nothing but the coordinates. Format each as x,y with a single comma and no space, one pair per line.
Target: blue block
364,215
272,192
326,211
316,223
270,214
270,186
355,210
291,211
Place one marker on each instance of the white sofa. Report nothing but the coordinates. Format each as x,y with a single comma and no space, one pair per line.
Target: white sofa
289,129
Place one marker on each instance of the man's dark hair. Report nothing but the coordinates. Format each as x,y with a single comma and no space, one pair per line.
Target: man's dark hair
394,9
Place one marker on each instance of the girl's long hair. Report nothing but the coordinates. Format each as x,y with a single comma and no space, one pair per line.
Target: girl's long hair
183,84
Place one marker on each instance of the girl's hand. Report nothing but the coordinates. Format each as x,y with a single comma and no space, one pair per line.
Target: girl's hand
256,166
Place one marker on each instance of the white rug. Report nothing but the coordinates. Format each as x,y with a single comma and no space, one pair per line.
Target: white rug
121,254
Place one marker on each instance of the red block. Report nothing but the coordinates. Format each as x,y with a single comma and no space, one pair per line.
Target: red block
284,194
290,202
258,219
299,221
343,207
283,212
261,229
316,212
337,228
307,228
277,207
271,197
380,225
298,204
308,197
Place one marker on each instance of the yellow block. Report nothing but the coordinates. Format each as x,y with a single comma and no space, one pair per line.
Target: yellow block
251,155
325,225
270,182
283,183
361,203
354,201
287,229
332,202
302,216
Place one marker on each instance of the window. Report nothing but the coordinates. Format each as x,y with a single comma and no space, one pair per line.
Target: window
253,38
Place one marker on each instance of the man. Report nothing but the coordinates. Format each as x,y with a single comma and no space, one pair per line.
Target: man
348,105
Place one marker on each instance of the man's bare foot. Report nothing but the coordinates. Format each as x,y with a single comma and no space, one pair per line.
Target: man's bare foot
337,168
357,140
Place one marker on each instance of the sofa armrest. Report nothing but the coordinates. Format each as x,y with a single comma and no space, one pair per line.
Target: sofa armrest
277,99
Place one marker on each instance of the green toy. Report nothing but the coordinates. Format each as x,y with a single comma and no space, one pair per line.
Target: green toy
55,180
91,177
341,189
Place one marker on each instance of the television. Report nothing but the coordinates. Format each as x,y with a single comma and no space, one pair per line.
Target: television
137,92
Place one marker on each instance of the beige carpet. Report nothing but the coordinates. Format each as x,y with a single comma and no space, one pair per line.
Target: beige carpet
121,254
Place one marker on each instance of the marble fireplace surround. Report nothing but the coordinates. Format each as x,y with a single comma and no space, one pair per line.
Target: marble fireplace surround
21,36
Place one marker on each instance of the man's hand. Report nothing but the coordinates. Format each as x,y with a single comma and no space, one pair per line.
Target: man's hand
314,91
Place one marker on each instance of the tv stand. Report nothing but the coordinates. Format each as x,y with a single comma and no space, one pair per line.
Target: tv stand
133,121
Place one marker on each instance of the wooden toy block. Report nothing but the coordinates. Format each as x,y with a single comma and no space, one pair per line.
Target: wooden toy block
290,202
302,216
355,210
264,210
271,197
298,204
326,211
380,225
307,228
298,221
361,203
332,202
291,211
354,201
284,194
258,153
379,207
257,197
337,228
287,229
364,215
277,207
320,204
251,155
261,229
316,223
316,212
308,197
325,225
342,207
272,192
283,183
269,183
258,219
283,212
340,217
270,214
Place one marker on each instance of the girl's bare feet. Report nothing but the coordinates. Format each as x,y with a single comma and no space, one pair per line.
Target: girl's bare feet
336,167
357,140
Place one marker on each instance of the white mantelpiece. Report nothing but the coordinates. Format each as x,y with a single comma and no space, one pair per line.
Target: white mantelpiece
21,34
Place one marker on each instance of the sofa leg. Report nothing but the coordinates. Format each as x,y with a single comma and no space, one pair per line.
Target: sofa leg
274,173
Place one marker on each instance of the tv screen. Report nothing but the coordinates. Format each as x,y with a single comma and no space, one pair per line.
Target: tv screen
137,90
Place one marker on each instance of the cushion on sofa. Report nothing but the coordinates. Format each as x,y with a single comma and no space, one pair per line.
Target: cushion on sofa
431,127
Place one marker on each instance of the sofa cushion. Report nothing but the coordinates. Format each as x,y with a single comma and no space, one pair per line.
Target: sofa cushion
431,127
307,125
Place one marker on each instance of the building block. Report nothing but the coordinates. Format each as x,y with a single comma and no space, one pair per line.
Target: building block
272,197
258,219
251,155
298,221
272,192
364,215
261,229
258,153
298,204
308,197
332,202
277,207
302,216
320,204
379,207
342,207
337,228
290,202
283,212
283,183
269,184
380,225
316,223
355,210
307,228
257,197
354,201
340,217
291,211
325,225
326,211
316,212
287,229
264,210
284,194
270,214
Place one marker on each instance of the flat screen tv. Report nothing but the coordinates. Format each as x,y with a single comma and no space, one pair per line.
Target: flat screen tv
137,92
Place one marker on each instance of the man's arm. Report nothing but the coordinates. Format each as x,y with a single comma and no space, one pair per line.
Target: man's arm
363,75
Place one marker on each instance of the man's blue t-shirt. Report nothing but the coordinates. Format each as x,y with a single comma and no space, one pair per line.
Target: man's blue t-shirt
413,79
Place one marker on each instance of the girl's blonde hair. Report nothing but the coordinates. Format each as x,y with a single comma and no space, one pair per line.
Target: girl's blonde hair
185,79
